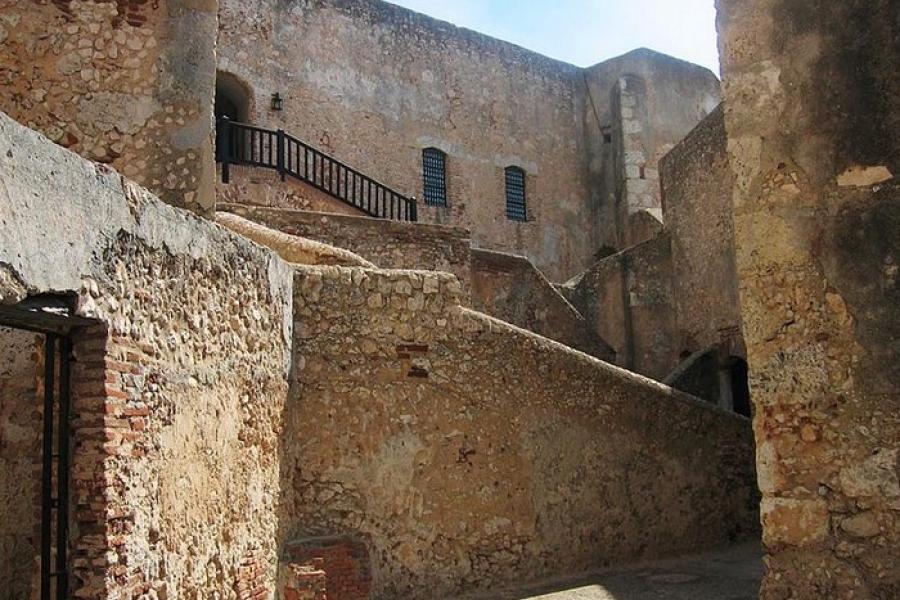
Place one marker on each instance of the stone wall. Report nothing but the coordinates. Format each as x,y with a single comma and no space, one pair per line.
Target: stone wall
505,286
20,461
127,83
510,288
466,453
639,106
813,120
179,388
626,299
387,244
697,189
373,84
263,187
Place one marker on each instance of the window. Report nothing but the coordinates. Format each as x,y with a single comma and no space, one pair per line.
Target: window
434,173
515,194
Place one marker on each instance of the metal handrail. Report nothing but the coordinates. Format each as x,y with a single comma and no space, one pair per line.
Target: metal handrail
244,144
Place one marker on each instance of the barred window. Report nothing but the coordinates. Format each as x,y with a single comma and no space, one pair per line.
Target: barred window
515,194
434,173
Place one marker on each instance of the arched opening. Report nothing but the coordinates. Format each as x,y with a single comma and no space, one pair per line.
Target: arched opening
734,386
740,386
233,98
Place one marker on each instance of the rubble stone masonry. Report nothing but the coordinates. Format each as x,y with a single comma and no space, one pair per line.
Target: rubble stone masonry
178,391
127,83
813,118
467,453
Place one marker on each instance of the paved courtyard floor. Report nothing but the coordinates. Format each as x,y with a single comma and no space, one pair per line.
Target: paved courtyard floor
728,574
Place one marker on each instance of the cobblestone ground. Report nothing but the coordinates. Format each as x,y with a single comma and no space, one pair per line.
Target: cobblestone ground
729,574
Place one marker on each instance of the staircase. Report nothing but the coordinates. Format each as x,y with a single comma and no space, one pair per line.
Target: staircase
248,145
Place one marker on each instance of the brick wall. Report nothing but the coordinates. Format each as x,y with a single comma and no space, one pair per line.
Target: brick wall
303,582
344,561
107,432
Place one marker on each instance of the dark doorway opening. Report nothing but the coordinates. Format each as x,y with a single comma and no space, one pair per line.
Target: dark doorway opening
232,98
36,446
740,386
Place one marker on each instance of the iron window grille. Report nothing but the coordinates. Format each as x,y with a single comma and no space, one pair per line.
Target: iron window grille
515,194
434,173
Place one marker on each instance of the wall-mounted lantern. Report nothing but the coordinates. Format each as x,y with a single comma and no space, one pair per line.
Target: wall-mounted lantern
277,102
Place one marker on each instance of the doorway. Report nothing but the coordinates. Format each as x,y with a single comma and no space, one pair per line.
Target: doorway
35,449
233,98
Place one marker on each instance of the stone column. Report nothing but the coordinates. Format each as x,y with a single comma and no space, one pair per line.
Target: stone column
813,117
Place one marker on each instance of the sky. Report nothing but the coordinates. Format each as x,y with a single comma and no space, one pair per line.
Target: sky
585,32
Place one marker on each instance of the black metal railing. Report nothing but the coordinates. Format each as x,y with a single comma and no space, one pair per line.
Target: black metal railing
242,144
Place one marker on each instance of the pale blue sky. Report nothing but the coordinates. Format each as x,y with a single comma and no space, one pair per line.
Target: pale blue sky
585,32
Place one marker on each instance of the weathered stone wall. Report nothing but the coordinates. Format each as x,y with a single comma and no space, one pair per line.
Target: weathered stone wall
373,84
263,187
127,82
697,189
20,462
639,106
505,286
466,453
510,288
387,244
813,120
627,299
179,391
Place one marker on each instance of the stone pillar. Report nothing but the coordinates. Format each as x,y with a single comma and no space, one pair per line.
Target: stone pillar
813,117
640,210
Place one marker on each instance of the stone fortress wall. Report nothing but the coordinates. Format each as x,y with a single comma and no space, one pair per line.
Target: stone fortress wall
591,162
122,82
467,454
373,84
696,196
505,286
182,391
188,438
